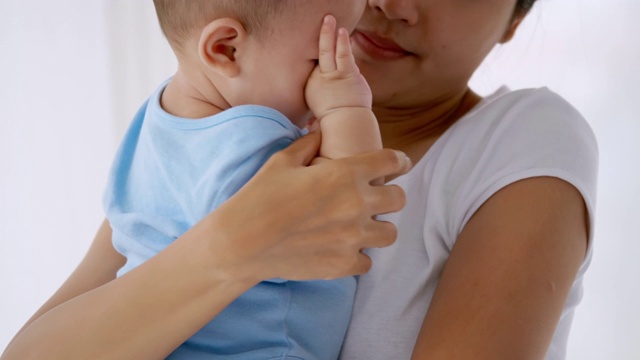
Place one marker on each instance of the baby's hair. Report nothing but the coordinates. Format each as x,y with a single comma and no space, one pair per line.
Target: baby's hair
182,19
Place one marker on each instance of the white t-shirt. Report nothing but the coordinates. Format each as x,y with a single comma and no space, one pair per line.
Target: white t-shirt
509,136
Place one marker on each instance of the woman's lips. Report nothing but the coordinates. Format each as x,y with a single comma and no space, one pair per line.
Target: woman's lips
378,47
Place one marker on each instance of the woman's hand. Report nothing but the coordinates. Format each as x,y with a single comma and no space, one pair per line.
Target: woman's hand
301,222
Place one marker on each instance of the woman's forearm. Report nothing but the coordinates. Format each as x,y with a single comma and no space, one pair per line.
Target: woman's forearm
145,314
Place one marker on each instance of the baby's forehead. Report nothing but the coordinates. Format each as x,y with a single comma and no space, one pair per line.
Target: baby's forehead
320,8
312,12
301,18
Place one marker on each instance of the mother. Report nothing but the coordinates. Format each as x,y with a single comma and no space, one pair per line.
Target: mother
494,239
492,242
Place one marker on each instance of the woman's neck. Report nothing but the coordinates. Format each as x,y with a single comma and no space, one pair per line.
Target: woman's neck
414,130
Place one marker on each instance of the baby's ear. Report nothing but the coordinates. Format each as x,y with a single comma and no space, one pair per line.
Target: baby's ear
219,41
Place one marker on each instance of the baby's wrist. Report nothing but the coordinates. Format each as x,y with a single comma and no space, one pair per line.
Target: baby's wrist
343,112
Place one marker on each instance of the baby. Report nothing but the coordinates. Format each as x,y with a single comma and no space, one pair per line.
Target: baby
251,75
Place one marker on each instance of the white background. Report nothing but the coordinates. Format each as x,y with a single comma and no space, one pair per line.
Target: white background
73,72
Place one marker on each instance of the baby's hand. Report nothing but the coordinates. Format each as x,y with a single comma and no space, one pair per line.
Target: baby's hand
336,81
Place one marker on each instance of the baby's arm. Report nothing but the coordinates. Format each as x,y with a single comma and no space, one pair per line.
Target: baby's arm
340,98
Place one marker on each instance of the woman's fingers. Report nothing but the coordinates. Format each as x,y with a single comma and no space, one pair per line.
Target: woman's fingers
350,263
381,234
380,164
371,166
347,257
362,265
302,151
386,199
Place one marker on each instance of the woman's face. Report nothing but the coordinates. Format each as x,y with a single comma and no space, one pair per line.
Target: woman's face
418,52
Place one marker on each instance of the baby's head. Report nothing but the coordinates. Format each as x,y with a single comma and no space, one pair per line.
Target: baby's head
253,51
182,21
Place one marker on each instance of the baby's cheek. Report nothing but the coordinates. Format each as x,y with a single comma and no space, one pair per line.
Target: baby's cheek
314,83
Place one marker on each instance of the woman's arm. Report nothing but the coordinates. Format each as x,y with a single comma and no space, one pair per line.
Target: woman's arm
291,221
98,267
505,284
142,315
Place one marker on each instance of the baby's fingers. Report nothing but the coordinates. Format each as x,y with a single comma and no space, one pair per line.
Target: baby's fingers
327,55
345,61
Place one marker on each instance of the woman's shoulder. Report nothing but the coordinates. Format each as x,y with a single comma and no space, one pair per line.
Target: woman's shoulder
521,123
518,130
510,130
523,108
509,136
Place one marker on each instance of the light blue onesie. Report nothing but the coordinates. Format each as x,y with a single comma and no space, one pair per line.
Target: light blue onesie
167,175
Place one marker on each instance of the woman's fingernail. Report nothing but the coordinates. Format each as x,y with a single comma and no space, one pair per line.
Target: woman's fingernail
407,160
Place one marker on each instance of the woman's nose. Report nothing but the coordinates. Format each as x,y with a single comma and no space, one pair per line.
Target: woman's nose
400,10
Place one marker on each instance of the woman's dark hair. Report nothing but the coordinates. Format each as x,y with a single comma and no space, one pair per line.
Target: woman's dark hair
523,7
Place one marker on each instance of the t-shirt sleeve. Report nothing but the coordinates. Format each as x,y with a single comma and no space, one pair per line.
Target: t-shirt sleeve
539,135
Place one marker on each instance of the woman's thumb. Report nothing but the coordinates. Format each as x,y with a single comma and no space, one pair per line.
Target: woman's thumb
303,150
